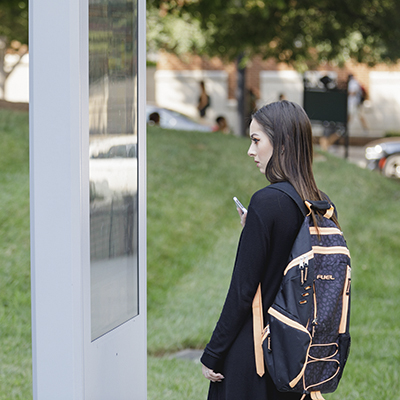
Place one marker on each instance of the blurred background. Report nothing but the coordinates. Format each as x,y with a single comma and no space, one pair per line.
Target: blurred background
209,65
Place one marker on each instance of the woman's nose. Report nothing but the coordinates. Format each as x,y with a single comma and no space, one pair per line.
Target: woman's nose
250,152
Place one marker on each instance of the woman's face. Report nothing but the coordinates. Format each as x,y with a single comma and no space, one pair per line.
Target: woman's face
261,147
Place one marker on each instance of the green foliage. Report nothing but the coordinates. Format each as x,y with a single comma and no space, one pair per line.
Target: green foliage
193,230
302,33
14,20
392,134
178,34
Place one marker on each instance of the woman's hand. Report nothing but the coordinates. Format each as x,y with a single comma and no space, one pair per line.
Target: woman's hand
211,375
243,216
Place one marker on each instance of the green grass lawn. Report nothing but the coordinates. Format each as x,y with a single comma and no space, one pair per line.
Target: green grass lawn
15,322
193,230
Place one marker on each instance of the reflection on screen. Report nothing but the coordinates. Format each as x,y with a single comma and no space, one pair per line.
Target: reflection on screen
113,163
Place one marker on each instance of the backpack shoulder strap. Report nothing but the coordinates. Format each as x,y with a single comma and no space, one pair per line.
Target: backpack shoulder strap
319,205
258,319
258,326
287,188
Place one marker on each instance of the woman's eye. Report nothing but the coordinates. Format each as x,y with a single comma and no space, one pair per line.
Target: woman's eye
255,141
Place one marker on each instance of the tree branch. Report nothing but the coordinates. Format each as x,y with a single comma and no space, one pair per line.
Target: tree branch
21,52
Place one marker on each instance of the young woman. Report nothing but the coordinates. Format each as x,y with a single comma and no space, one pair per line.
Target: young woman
281,146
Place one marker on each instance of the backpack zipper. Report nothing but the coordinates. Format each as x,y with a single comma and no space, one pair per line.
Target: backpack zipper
296,261
345,301
303,266
314,321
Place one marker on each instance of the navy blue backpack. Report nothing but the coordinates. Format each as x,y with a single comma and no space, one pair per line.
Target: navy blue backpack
305,341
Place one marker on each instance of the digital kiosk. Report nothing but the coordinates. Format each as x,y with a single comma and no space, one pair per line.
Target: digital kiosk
88,199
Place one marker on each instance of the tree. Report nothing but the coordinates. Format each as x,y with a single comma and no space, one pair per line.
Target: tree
302,33
299,32
13,35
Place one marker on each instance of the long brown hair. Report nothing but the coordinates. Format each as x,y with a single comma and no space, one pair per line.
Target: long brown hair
289,129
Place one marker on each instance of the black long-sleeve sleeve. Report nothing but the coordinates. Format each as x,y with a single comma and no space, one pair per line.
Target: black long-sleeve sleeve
273,221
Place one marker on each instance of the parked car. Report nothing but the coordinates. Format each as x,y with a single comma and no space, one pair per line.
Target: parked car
384,155
170,119
112,166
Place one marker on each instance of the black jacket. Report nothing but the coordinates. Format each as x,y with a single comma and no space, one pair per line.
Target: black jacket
273,221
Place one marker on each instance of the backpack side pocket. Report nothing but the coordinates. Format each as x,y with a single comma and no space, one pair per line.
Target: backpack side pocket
286,349
344,351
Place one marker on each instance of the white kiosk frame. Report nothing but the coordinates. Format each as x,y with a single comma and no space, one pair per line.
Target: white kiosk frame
67,364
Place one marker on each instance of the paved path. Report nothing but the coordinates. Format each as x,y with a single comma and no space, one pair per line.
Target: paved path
189,354
356,154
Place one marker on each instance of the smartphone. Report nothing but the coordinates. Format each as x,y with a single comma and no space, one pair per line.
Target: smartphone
240,205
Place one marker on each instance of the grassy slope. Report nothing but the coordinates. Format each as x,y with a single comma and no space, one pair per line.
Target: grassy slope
369,211
191,249
15,340
192,235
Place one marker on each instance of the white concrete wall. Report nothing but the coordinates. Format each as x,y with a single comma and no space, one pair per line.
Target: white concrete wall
180,91
150,85
273,83
384,94
381,112
232,116
17,84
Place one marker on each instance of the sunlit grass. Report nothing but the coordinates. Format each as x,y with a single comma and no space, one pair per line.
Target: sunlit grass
15,316
193,231
192,248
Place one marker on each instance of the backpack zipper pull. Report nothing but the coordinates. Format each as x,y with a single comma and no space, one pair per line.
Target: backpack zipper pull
305,269
301,267
314,325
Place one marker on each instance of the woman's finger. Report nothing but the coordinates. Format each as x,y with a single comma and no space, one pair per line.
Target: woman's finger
243,216
211,375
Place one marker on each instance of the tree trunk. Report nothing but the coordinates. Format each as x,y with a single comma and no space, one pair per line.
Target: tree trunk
3,75
241,95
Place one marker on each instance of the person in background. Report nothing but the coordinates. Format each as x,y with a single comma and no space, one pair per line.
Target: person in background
154,118
329,136
282,96
221,125
355,99
204,100
281,146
